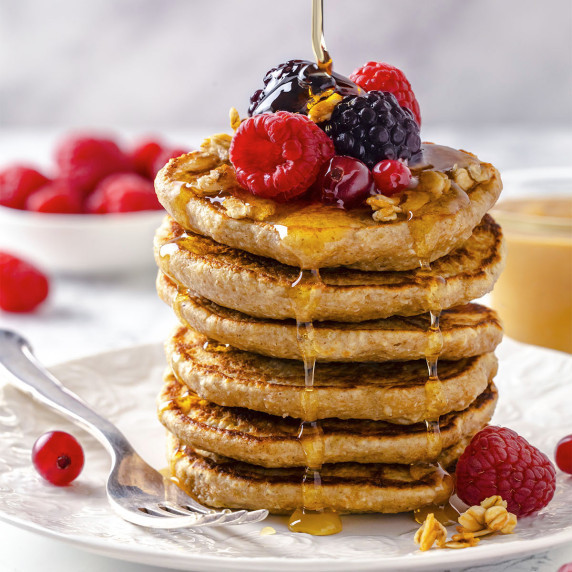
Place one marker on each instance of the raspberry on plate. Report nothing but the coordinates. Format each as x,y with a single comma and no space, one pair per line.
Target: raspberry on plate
17,183
279,155
498,461
55,197
22,286
124,192
85,160
380,76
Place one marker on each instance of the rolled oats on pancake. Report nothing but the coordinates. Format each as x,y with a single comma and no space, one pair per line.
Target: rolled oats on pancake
272,441
466,331
262,287
389,391
455,190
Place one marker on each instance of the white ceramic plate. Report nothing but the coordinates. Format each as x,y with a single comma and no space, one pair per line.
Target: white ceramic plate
81,244
535,393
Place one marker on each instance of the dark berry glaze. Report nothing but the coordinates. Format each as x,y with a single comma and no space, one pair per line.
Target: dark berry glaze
291,85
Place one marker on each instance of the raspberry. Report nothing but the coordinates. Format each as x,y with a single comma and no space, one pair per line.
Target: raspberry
391,177
22,286
500,462
163,158
85,160
123,192
374,127
380,76
279,154
55,197
17,183
144,155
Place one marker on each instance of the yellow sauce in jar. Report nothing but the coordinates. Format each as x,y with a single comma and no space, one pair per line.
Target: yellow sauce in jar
534,293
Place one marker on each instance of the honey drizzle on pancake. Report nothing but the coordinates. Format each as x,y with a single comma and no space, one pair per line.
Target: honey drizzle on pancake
435,399
434,396
313,517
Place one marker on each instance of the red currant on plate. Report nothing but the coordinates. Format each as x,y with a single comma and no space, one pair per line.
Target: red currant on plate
58,457
346,182
563,454
391,176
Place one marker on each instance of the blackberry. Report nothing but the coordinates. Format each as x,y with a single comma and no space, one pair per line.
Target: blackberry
289,87
374,127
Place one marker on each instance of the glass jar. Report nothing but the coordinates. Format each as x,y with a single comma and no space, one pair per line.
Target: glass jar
534,293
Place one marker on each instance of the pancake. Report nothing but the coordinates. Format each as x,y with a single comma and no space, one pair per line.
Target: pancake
262,287
272,441
466,331
199,190
390,391
346,487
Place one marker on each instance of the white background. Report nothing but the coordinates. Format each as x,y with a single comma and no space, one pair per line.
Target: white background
181,64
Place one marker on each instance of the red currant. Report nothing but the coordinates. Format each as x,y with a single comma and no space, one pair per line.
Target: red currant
58,457
391,176
563,454
346,182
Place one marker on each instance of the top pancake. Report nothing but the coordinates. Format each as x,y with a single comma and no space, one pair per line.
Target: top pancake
201,193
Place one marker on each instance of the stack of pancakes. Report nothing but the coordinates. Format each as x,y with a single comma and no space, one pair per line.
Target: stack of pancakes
235,390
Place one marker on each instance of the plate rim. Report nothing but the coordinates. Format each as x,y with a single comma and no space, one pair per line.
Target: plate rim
433,560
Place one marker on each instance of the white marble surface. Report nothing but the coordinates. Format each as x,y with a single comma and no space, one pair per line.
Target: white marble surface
86,315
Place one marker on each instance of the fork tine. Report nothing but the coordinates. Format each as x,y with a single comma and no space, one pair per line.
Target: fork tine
254,516
159,518
218,518
233,517
177,510
236,517
246,517
192,505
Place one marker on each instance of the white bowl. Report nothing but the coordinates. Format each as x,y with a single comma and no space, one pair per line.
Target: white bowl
81,244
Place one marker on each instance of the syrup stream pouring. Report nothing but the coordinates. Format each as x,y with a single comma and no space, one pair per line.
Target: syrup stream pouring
318,42
136,491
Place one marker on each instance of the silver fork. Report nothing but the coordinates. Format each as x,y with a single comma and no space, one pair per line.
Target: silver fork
136,491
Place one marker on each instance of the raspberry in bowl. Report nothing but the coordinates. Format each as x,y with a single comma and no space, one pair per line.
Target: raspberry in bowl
94,211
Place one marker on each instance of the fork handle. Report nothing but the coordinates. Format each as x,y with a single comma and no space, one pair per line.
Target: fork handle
21,368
